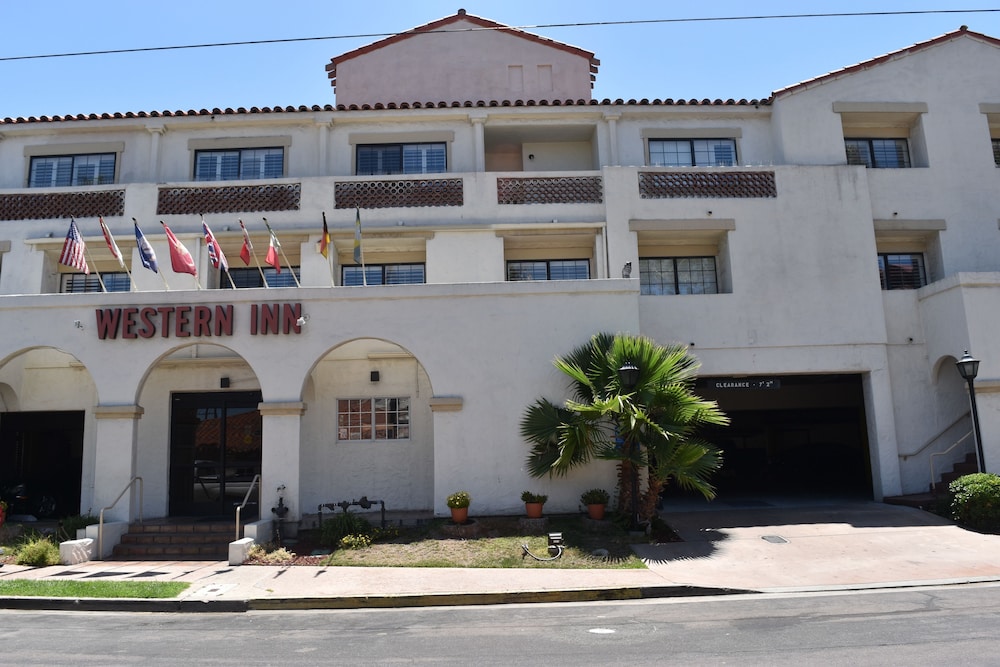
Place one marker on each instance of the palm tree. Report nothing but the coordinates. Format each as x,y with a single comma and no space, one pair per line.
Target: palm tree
650,425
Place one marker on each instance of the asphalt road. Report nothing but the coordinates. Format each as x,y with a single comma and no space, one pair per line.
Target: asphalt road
927,626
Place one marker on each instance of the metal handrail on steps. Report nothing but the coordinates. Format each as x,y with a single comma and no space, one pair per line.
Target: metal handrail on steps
100,522
930,442
933,454
239,508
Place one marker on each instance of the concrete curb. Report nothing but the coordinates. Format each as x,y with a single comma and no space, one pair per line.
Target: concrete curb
359,602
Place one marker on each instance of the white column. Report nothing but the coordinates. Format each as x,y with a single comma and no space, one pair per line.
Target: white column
154,152
281,431
114,464
478,127
612,121
323,168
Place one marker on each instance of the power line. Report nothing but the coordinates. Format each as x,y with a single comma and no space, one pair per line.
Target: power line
523,27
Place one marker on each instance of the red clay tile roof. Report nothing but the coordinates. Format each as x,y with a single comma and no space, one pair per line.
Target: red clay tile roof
449,20
919,46
375,107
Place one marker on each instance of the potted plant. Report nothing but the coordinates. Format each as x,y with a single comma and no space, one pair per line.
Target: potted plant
533,504
596,501
459,503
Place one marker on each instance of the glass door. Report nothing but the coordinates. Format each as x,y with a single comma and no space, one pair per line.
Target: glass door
215,451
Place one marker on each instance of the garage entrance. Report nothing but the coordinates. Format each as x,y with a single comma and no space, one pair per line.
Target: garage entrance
43,451
803,435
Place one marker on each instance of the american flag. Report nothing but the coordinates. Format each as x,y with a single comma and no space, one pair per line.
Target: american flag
74,249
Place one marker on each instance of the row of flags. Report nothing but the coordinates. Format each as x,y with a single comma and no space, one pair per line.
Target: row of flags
74,251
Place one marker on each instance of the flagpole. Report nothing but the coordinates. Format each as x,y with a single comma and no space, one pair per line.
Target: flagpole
253,251
329,255
96,272
282,251
110,239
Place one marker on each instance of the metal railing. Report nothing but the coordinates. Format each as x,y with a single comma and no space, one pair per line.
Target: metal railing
100,521
931,441
933,454
239,508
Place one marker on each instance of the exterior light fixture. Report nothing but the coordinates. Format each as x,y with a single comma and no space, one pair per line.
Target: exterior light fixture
968,368
628,375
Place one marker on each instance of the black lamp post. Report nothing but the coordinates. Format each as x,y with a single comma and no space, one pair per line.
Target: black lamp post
968,368
628,377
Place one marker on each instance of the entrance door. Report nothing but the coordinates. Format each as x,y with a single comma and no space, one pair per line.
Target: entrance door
215,449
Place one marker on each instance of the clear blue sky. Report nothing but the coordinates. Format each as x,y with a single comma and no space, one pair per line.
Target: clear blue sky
717,59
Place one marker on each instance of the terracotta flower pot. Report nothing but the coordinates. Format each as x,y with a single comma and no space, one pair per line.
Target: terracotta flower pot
459,514
596,512
534,510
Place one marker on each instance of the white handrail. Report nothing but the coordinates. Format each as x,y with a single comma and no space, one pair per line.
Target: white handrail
239,508
933,454
100,522
930,442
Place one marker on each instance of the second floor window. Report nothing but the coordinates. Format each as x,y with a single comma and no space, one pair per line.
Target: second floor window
902,270
678,275
878,153
68,170
239,165
247,277
692,152
382,274
550,269
383,159
76,283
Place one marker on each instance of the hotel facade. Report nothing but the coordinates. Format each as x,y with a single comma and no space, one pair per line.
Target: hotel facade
827,252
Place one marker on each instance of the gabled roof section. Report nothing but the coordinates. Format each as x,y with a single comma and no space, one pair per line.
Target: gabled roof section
894,55
485,24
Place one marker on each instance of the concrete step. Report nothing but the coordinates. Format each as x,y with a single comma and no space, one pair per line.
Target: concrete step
176,540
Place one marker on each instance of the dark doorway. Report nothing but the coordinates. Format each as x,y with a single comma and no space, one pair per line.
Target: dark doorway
215,451
799,435
44,451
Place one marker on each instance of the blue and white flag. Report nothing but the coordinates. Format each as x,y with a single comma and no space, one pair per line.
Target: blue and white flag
146,253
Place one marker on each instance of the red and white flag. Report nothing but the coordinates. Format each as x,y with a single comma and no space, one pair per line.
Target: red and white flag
272,254
247,248
110,240
215,254
74,249
180,259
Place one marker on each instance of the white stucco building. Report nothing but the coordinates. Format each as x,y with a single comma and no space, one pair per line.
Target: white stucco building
827,300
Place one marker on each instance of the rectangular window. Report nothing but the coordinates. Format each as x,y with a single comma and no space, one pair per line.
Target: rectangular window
382,274
239,164
996,152
373,418
678,275
552,269
247,277
68,170
77,283
384,159
692,152
901,271
878,153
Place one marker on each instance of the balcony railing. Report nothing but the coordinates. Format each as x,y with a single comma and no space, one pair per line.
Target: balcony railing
706,184
228,199
48,205
399,193
550,190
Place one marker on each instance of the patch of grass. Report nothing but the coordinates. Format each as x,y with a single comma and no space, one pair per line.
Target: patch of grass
92,589
497,542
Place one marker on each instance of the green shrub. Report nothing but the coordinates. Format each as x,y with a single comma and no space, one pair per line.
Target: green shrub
975,501
529,497
342,525
37,551
458,500
595,497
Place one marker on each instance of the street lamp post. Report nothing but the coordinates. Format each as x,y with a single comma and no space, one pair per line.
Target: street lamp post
968,368
628,377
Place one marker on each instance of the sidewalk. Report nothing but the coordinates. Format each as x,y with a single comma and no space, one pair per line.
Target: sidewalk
726,550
